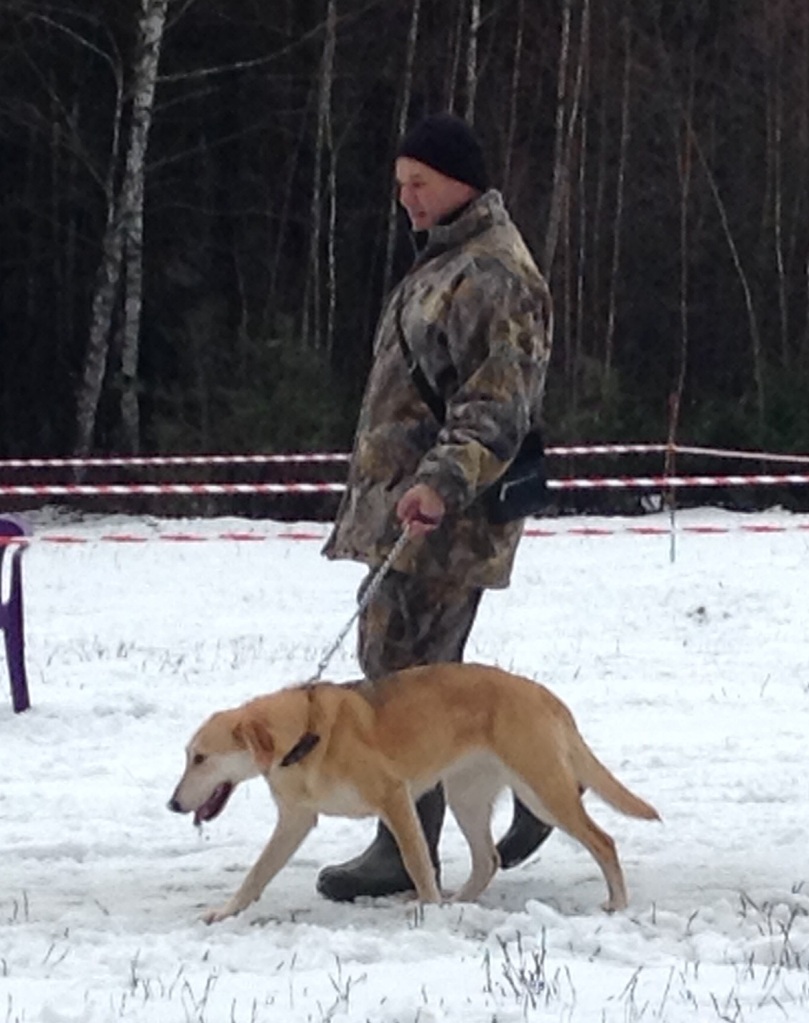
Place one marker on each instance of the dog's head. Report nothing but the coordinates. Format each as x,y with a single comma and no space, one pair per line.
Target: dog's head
230,747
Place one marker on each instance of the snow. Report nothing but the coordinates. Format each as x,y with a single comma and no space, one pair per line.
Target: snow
690,678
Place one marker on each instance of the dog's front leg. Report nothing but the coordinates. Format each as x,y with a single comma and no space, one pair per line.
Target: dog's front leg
293,825
399,813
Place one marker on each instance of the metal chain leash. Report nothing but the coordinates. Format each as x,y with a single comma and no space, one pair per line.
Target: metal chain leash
365,600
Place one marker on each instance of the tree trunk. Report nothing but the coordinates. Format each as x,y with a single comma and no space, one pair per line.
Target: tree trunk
581,207
566,118
472,60
152,24
776,111
313,330
684,165
123,240
95,361
331,268
407,87
515,88
609,342
451,77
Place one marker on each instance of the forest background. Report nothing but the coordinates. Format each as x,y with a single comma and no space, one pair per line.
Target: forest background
198,225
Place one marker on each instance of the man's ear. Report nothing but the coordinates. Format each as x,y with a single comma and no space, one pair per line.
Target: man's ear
252,734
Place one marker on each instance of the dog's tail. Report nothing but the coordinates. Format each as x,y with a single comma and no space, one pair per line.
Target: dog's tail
594,775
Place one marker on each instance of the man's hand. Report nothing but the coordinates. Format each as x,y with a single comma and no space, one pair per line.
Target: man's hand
420,510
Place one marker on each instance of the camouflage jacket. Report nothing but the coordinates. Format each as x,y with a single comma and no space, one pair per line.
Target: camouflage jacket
476,315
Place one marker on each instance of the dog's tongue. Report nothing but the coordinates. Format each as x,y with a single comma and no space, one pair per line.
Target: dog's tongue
214,805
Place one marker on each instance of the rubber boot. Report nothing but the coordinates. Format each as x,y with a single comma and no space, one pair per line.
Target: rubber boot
526,834
379,870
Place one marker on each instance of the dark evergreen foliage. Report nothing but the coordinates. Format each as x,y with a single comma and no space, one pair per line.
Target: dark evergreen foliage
713,253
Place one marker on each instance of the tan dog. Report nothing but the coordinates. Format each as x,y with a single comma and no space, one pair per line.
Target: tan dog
355,751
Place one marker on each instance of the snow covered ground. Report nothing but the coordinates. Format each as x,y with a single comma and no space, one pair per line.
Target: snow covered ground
690,679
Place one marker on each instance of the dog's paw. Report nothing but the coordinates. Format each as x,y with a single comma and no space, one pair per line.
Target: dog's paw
216,914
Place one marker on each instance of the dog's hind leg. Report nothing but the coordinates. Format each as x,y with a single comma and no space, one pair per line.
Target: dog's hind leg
471,800
563,807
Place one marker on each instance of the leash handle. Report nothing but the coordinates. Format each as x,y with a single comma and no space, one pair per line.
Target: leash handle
367,597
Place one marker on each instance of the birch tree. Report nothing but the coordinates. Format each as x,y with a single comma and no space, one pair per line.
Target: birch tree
312,328
119,284
472,60
407,88
153,20
513,95
620,187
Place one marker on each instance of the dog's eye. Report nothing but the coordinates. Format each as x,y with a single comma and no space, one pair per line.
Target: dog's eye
198,758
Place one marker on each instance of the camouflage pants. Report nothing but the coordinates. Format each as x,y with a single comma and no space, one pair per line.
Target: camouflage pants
413,621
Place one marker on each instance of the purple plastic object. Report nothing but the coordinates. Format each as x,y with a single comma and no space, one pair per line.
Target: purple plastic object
11,619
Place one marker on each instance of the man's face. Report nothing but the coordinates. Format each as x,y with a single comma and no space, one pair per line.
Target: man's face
428,195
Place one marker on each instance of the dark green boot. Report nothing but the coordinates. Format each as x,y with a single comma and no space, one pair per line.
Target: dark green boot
526,834
379,870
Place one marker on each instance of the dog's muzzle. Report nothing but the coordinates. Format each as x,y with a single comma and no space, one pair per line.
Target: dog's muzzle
212,807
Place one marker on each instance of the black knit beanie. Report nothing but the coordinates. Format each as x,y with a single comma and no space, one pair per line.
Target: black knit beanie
447,144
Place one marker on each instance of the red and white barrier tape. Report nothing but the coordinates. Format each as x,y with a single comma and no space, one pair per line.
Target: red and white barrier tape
173,460
337,456
542,532
125,489
759,456
663,482
660,482
763,527
275,459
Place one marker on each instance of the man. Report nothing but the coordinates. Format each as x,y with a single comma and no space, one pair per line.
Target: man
473,315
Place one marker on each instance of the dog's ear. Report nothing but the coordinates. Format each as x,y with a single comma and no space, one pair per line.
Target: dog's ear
252,734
